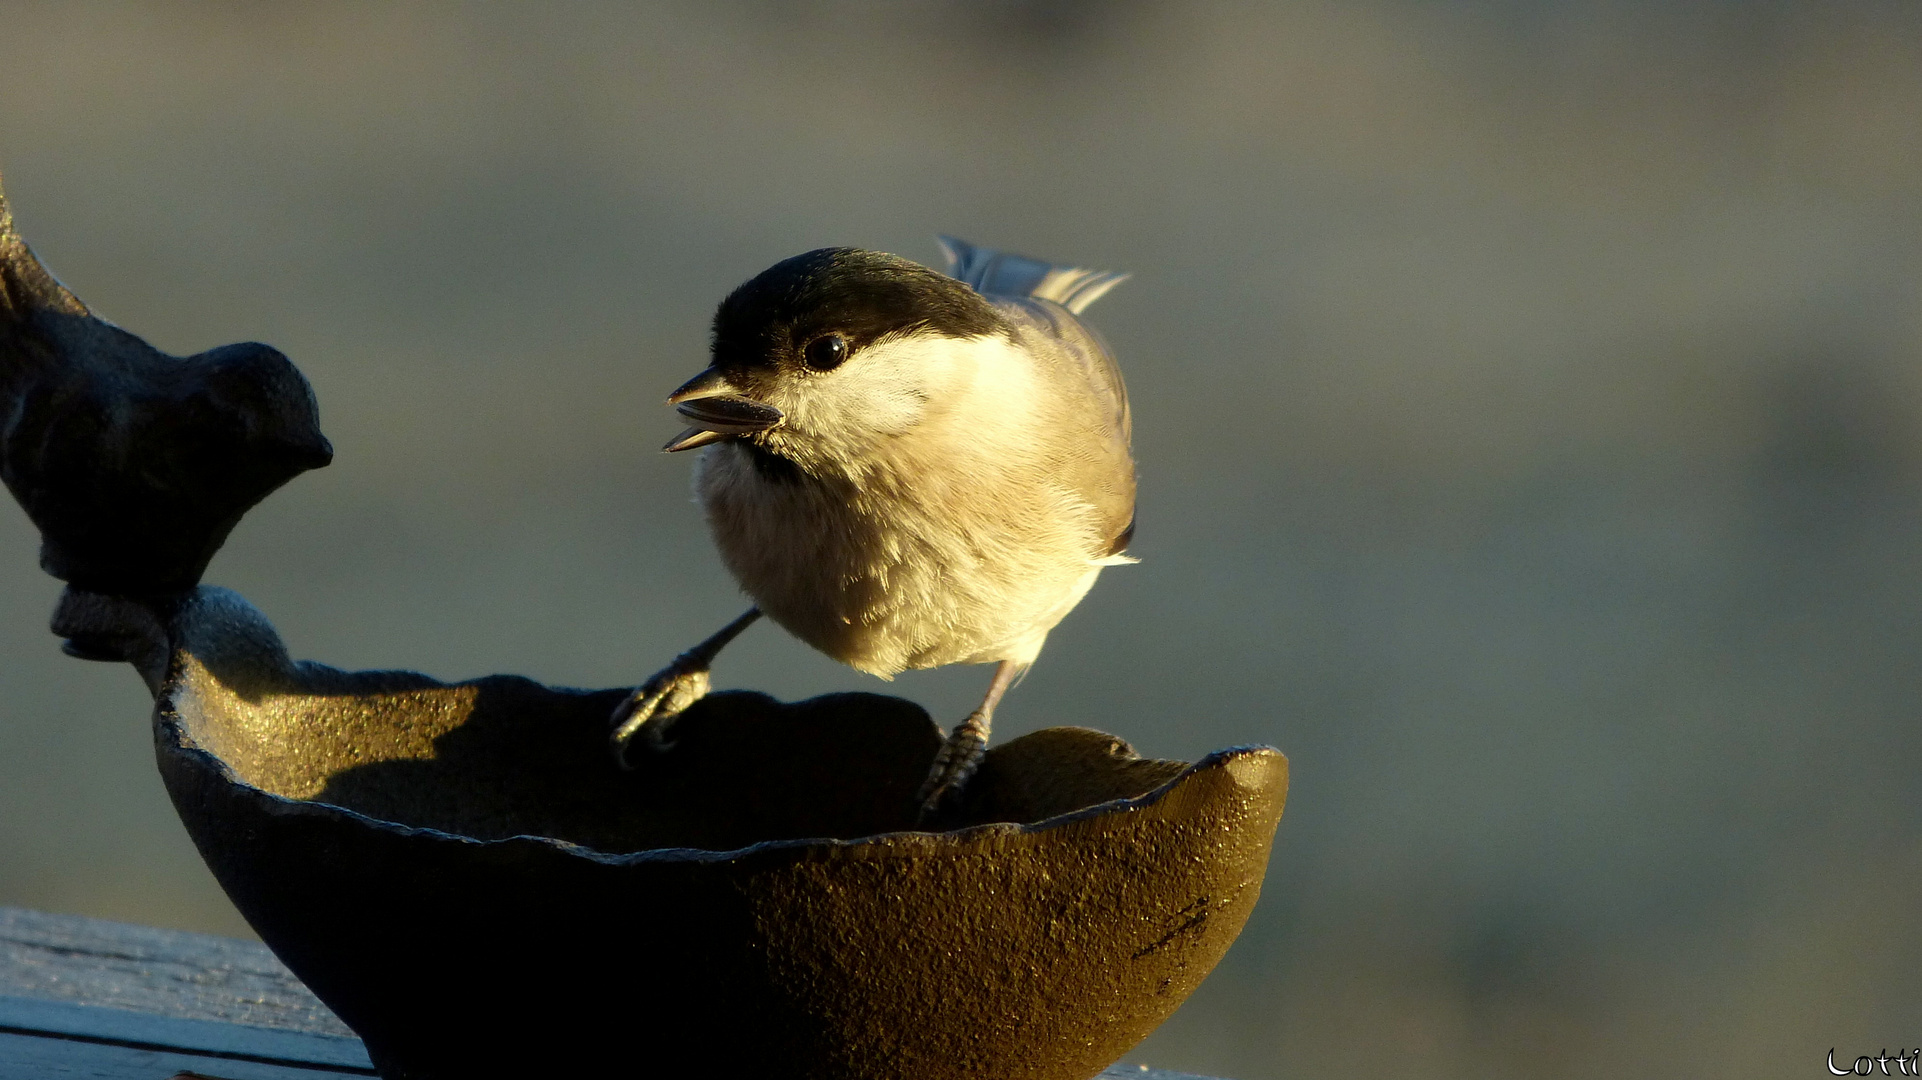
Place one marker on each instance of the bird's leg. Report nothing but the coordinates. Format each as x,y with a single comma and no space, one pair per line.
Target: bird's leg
966,745
650,711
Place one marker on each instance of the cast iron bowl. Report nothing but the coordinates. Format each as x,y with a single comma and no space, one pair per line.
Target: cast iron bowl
462,874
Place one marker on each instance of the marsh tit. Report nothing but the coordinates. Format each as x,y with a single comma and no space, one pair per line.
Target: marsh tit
905,469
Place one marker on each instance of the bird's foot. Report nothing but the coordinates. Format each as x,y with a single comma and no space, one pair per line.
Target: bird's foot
960,756
648,714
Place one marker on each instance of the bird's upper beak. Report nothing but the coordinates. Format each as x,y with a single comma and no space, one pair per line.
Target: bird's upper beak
717,409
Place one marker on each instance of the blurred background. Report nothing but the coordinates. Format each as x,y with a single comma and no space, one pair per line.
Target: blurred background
1528,404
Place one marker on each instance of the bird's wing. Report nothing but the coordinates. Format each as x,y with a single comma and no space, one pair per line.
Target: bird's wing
1101,471
1043,300
1074,345
1040,291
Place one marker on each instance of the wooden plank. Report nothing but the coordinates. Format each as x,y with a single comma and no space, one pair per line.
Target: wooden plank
87,998
108,996
31,1057
217,1038
163,972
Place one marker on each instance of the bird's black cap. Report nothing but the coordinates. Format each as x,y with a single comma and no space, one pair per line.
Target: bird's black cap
862,295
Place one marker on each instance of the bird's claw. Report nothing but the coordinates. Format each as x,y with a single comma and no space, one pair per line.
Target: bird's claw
960,755
650,711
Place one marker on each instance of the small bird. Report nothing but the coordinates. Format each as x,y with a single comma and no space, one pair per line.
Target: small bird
905,469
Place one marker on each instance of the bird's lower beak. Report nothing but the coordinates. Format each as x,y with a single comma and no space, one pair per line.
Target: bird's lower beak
717,409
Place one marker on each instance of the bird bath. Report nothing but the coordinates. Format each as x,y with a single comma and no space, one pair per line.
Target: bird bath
464,875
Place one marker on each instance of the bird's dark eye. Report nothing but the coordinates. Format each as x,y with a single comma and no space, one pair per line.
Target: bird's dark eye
825,353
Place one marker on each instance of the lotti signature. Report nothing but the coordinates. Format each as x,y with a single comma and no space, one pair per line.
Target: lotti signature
1907,1063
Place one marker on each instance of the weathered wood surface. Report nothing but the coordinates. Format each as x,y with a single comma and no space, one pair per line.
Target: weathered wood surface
32,1057
87,998
165,972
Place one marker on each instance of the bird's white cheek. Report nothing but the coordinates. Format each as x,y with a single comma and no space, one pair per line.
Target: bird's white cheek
878,408
883,392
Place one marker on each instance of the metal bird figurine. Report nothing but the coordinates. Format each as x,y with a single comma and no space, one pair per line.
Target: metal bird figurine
135,465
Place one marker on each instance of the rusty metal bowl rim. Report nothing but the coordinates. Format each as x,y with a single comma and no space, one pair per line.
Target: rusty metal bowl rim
173,739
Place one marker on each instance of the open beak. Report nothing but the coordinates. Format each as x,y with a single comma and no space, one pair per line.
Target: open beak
717,409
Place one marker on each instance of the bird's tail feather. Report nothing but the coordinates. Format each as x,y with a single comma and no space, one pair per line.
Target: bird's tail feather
993,272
